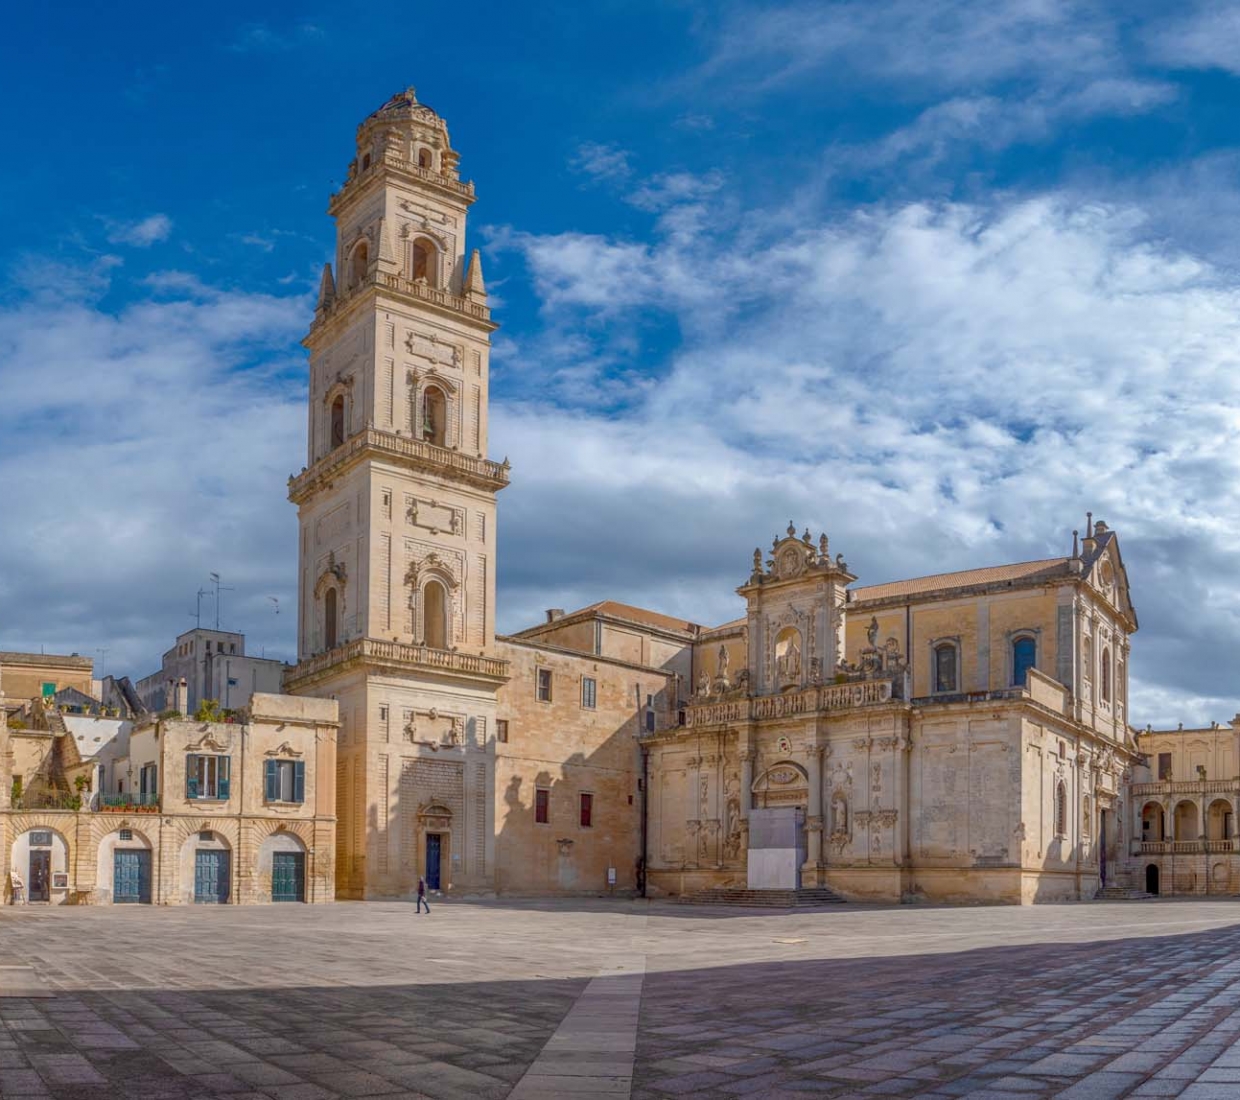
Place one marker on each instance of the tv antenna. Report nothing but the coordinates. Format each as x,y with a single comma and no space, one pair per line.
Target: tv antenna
275,601
197,612
215,580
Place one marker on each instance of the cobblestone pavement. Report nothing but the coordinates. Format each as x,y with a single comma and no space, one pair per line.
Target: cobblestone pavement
562,999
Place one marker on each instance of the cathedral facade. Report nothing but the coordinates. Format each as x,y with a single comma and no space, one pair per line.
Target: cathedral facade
958,737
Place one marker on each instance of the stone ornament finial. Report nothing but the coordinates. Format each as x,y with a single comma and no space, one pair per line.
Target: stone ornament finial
792,529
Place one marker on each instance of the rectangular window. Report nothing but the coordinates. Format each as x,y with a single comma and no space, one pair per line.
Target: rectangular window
147,786
589,692
544,685
501,730
207,777
1164,765
387,503
383,713
284,780
945,667
542,806
650,721
587,810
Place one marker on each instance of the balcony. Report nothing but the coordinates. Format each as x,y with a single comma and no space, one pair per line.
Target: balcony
479,472
1188,847
396,657
127,803
1187,786
49,800
393,161
420,290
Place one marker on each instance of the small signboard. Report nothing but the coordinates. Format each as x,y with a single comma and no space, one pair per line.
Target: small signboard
60,880
40,838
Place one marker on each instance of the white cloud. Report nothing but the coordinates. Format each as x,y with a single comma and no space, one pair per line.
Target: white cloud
1198,36
154,447
140,234
936,385
601,162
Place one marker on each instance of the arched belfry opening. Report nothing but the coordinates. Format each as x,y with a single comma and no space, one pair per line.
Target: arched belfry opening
426,159
359,262
435,615
424,265
435,416
337,421
331,620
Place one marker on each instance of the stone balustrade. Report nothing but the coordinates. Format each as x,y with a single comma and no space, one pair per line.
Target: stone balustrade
481,471
1188,786
397,655
717,712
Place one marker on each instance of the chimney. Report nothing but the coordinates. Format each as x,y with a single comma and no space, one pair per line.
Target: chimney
181,697
554,613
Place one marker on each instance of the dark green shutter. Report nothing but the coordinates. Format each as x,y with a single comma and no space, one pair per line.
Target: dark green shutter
271,780
299,781
225,772
154,784
191,776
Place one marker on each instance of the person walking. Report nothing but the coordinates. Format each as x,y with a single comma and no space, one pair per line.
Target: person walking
422,896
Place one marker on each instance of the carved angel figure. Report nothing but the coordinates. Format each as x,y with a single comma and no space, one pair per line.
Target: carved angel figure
723,660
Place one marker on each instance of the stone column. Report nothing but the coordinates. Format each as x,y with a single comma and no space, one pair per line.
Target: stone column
813,825
746,782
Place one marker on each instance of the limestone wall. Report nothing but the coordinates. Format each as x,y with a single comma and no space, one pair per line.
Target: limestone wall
568,750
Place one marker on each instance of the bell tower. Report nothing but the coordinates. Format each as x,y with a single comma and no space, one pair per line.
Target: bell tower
396,509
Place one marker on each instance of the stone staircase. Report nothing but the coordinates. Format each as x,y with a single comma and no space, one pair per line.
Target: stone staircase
808,897
1121,893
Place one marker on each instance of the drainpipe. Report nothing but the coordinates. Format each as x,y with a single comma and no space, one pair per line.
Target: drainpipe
637,689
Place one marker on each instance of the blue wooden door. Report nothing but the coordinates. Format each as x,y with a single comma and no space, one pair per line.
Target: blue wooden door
210,877
288,876
131,877
432,861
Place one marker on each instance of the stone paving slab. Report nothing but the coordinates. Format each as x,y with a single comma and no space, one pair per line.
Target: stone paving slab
609,999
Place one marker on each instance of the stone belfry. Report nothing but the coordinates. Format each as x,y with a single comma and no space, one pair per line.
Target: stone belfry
396,507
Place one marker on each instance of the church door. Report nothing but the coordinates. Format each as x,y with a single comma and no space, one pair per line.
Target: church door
432,861
40,876
1102,846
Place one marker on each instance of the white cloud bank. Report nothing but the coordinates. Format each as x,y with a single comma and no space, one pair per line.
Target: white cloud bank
939,386
142,233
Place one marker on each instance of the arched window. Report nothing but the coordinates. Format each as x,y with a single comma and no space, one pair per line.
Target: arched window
1024,657
1061,809
945,676
423,262
358,263
425,160
435,615
337,418
435,416
365,161
1106,674
330,636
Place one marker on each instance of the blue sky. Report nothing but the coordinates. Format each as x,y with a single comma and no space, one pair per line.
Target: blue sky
934,277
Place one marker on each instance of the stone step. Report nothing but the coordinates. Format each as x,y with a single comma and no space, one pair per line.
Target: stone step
1121,893
767,899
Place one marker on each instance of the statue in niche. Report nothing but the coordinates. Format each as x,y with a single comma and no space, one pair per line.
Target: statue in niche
722,668
871,632
788,655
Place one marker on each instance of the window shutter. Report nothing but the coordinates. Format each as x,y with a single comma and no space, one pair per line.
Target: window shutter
299,781
271,780
191,776
154,785
225,772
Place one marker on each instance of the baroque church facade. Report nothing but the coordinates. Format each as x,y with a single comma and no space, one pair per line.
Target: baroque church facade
958,737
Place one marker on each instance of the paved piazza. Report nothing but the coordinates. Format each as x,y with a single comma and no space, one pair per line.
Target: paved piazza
562,999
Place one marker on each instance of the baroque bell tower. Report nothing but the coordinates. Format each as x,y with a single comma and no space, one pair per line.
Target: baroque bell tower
396,509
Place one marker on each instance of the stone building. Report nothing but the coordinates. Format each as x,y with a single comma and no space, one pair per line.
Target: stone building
187,811
40,675
1183,801
214,665
960,736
